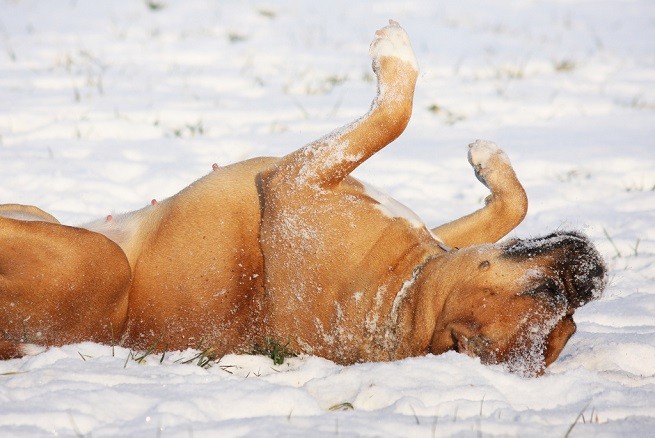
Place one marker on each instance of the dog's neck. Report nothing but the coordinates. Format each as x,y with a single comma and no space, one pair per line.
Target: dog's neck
423,303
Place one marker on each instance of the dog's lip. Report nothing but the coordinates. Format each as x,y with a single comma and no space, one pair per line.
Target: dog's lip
460,343
475,345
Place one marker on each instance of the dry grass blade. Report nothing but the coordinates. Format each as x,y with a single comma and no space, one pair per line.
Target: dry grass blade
345,406
618,253
12,373
568,432
204,359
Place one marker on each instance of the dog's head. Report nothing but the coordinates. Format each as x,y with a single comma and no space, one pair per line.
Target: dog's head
512,303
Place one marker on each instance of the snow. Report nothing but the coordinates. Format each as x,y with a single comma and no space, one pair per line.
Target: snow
107,104
391,207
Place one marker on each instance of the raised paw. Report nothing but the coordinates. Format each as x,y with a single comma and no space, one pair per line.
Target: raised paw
485,158
393,41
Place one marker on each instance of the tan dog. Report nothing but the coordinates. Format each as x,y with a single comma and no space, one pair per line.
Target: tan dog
296,250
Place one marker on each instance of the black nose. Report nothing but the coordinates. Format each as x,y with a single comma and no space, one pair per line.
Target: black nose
574,259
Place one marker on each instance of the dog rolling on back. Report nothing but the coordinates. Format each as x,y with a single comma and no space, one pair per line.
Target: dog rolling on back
296,250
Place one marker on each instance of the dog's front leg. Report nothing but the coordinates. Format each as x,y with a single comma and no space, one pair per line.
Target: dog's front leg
505,207
328,160
310,222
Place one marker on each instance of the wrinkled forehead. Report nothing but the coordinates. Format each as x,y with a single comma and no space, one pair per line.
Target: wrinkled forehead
489,266
571,242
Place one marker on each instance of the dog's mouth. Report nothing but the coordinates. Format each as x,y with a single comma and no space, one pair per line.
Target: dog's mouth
526,351
475,345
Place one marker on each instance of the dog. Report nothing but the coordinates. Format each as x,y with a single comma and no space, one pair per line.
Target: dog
296,250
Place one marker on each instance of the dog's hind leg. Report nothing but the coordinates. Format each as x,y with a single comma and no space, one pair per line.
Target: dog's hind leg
59,285
505,207
327,161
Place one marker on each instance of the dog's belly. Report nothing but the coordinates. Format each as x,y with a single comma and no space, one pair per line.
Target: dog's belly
198,268
198,271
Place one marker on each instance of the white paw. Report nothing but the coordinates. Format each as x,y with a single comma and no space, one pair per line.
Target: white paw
484,156
481,153
393,41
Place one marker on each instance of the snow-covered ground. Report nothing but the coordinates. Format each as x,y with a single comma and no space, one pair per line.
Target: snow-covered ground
106,104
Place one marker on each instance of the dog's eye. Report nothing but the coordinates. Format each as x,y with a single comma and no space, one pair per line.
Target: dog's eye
549,286
549,290
484,265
